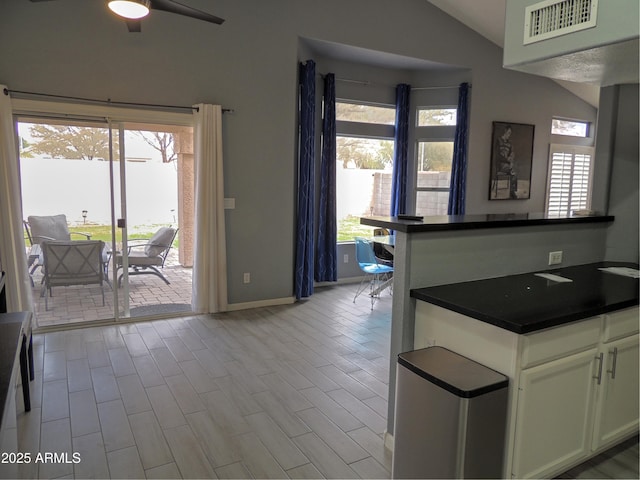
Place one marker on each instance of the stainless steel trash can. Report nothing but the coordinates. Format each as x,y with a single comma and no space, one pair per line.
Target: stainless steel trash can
450,417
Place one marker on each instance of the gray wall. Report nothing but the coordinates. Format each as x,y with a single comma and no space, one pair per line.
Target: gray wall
622,237
249,64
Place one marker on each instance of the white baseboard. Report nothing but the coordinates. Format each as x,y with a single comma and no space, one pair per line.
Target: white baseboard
232,307
340,281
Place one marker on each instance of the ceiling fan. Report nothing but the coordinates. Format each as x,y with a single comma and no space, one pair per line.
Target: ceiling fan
132,11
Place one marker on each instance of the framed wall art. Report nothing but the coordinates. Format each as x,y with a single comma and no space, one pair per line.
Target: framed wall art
511,158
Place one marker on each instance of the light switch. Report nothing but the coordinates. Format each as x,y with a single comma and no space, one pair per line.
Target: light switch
229,203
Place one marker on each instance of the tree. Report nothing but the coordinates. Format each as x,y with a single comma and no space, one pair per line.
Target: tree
366,153
72,142
162,142
354,112
435,156
437,116
26,150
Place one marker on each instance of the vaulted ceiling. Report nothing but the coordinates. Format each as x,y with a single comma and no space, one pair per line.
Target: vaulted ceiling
487,17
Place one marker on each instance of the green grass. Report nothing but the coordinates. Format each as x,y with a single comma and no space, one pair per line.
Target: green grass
350,227
103,232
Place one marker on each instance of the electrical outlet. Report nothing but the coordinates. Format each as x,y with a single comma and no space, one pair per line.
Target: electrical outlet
246,278
555,258
429,342
346,258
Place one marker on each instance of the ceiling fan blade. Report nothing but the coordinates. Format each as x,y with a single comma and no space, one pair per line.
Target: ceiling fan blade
134,26
178,8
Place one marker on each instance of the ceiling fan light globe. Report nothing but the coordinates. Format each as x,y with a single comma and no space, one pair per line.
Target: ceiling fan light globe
132,9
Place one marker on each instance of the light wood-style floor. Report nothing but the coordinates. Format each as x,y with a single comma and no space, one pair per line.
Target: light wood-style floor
291,391
620,461
295,391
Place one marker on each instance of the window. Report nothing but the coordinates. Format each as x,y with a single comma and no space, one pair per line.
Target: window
358,112
364,165
434,117
435,130
433,177
569,180
570,128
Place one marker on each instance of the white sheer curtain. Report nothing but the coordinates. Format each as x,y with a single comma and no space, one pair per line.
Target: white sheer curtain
210,252
12,252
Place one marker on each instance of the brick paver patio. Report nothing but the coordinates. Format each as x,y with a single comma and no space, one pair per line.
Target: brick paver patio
148,295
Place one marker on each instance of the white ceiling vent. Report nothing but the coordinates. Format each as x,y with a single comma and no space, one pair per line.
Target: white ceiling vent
552,18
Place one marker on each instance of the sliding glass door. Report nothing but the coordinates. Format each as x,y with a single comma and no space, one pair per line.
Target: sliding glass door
157,206
124,184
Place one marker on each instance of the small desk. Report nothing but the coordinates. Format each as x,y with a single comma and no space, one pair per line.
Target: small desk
16,340
16,361
387,240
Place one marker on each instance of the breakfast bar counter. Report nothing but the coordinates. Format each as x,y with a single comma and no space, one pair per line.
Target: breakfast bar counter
439,250
437,223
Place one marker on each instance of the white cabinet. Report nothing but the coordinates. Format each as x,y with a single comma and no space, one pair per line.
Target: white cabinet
617,402
558,414
554,415
574,404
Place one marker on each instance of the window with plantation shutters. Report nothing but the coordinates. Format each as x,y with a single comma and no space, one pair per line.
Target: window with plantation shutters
569,180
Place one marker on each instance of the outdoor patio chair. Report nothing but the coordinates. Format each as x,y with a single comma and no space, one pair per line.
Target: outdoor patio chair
54,227
42,228
147,256
67,263
51,227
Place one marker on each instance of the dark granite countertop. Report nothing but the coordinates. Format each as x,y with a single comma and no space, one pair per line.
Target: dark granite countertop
469,222
527,303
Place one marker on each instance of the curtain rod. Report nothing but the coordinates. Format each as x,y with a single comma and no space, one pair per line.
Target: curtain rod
368,83
437,88
105,102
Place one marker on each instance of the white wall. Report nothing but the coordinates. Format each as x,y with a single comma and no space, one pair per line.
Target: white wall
54,186
355,191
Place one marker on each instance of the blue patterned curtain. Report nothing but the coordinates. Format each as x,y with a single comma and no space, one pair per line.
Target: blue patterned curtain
306,153
400,151
458,187
326,254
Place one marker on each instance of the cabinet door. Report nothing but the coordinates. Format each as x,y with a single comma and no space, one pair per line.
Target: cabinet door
617,401
554,415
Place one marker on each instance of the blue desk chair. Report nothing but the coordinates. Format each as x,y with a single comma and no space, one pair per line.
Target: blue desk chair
376,276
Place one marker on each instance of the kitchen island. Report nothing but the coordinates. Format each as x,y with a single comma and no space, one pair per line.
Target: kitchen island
448,249
567,339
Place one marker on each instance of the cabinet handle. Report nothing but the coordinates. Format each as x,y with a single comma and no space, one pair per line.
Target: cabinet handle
614,362
600,359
